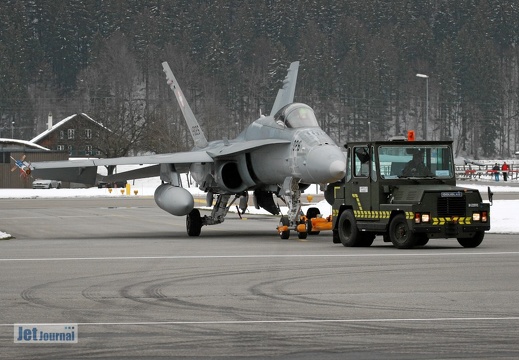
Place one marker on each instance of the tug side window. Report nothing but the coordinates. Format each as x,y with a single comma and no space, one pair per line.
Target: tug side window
373,166
348,165
361,161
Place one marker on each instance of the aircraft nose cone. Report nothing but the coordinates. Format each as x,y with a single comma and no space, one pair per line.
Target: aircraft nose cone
338,169
326,164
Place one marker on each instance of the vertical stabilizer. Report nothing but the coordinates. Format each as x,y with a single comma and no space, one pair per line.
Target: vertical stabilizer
192,124
286,93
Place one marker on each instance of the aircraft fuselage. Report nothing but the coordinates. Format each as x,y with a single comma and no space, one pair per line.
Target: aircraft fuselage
305,153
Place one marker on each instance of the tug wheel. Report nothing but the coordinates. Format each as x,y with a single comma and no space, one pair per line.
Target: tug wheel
421,240
472,242
366,239
348,231
401,235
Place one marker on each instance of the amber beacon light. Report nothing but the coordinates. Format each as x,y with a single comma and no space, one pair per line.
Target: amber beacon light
410,135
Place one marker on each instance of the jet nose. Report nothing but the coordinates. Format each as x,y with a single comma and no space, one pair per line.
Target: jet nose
326,164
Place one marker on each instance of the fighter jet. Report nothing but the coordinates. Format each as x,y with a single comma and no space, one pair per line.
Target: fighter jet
277,155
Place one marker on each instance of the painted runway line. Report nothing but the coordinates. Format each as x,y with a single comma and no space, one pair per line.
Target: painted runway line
288,256
294,321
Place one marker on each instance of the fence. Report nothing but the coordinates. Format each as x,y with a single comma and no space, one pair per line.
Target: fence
485,172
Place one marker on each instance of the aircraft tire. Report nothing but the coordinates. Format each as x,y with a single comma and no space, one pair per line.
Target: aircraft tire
284,222
348,231
472,242
310,214
401,235
194,223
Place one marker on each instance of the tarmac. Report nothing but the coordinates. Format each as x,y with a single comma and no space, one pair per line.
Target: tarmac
137,286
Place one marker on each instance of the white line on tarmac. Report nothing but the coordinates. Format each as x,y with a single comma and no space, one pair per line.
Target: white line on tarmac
44,217
295,321
201,257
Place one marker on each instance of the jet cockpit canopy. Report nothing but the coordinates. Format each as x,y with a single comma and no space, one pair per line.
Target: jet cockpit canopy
296,115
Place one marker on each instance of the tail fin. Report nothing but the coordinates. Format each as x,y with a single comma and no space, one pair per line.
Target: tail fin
192,124
286,93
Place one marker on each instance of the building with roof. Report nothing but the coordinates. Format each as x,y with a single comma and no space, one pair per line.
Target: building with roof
76,135
10,175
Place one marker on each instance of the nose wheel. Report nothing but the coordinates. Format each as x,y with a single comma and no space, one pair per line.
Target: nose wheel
284,228
302,234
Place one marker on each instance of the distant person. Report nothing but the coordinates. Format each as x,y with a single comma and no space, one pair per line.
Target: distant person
416,166
505,168
496,171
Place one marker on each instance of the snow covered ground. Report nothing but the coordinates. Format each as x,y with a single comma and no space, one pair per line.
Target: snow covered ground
503,218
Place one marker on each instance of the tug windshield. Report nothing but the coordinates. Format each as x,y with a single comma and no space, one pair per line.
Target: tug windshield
427,161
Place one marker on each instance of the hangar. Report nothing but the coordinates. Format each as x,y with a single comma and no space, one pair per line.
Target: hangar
17,149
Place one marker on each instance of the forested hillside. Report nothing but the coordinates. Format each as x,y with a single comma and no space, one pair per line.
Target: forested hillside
359,60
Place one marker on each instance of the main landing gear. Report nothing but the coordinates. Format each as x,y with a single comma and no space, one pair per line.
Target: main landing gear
194,221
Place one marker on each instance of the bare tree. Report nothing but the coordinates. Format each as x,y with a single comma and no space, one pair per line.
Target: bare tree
114,94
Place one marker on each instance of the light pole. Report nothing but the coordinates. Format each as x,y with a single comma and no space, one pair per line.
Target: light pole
426,77
12,130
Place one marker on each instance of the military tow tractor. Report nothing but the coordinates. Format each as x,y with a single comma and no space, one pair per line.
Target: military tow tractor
405,191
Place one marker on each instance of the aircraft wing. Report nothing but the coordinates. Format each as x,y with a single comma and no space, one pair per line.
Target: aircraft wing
85,171
222,151
172,158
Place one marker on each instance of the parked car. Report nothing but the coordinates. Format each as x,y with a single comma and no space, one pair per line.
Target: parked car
116,184
46,184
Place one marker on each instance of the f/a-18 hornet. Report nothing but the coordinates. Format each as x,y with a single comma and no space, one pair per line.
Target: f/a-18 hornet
280,154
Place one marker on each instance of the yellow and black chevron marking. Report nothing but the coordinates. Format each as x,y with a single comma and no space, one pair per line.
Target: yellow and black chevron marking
356,197
366,214
409,215
455,219
374,214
